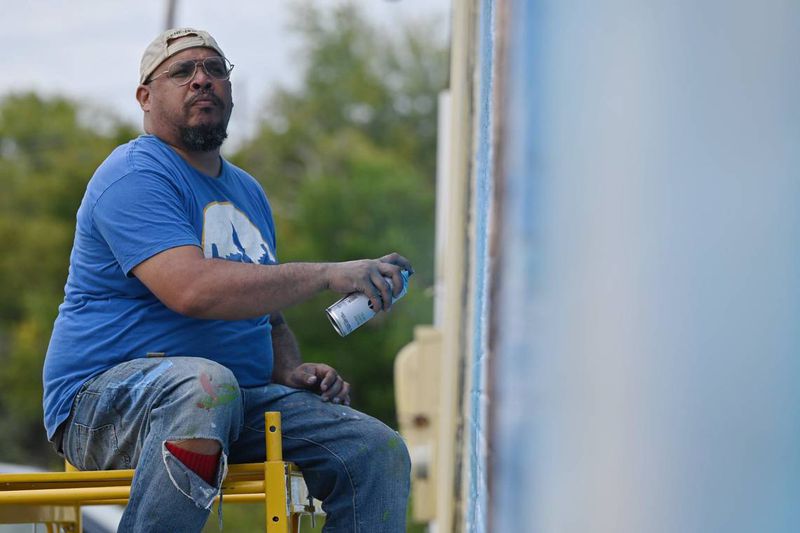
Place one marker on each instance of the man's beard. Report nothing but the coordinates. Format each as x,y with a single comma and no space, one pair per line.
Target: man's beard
206,137
203,138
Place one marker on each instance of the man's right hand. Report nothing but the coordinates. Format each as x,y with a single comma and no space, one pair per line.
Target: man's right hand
367,276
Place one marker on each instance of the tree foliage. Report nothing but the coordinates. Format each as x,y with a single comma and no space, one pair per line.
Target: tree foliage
348,160
48,151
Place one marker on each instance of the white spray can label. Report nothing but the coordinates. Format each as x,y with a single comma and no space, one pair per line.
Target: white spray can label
354,309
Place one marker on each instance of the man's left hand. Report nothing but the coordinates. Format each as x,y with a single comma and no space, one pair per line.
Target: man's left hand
322,379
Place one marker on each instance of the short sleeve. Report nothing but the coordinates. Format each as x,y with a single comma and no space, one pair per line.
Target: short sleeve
140,215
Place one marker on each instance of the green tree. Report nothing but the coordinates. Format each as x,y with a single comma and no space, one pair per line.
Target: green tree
48,151
348,161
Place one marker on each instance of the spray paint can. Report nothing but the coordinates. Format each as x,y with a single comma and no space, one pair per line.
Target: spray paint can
355,309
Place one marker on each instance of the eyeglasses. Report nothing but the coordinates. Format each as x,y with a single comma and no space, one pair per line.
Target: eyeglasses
182,72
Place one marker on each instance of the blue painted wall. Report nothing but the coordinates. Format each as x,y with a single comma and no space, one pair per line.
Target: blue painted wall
483,190
647,373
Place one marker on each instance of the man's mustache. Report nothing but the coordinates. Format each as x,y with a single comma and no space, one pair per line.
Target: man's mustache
206,95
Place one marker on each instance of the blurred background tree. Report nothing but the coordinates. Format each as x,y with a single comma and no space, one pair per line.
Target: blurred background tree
347,159
48,151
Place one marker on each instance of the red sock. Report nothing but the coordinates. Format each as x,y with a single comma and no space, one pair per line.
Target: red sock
201,464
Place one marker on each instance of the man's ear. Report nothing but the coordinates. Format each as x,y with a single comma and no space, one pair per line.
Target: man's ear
143,97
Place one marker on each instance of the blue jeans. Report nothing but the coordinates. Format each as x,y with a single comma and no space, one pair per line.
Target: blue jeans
357,466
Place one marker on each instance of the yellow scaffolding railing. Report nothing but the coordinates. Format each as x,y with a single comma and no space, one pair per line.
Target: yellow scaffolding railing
55,498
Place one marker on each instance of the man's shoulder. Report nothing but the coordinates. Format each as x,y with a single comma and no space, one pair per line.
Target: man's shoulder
239,171
148,153
115,166
243,176
138,157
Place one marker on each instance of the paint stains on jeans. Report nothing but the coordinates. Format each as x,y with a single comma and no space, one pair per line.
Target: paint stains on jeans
217,394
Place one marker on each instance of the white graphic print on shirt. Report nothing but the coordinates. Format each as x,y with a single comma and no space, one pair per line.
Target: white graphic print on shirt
229,234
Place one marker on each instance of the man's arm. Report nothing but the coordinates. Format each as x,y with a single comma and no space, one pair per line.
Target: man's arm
189,284
288,367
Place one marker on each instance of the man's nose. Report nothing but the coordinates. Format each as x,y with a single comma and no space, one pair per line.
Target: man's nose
201,79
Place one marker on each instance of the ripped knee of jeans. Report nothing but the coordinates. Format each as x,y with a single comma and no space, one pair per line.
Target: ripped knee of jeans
189,483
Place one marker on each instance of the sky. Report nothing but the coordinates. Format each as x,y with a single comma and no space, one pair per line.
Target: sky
89,50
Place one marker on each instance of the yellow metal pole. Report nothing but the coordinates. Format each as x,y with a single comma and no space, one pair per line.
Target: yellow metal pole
272,420
78,525
78,520
62,496
275,497
50,477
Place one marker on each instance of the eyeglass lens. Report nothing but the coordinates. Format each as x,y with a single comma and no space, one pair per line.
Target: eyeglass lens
182,71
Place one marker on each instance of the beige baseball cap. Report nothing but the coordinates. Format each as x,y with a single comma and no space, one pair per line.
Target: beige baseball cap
170,43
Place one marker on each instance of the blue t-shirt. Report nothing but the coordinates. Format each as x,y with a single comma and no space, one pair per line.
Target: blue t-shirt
142,200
